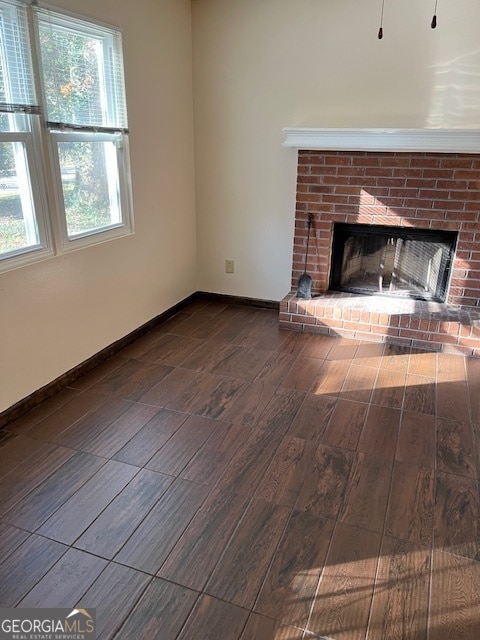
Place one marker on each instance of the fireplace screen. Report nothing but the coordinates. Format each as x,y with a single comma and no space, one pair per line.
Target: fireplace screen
393,261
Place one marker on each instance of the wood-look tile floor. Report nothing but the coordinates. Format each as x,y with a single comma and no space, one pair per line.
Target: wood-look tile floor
222,479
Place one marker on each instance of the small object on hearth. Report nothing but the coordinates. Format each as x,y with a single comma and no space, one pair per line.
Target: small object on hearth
304,287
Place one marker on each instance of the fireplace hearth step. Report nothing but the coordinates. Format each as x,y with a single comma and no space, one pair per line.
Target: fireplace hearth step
404,321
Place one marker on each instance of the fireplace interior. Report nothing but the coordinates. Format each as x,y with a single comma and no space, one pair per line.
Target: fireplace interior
393,261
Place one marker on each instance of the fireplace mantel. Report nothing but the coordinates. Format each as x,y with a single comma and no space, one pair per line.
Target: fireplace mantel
397,140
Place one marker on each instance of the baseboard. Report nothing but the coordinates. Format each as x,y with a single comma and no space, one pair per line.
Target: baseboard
34,399
239,300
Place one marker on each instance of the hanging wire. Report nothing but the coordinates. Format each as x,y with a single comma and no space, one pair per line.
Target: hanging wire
434,19
380,31
433,24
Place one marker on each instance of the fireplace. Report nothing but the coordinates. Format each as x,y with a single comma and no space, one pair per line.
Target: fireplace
393,261
401,226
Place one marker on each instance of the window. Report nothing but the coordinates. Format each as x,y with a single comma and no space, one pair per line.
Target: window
80,101
23,227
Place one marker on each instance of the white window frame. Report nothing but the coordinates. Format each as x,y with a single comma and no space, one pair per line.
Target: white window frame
101,234
43,168
25,129
36,186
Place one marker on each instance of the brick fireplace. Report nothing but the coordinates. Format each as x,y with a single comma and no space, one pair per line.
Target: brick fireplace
419,190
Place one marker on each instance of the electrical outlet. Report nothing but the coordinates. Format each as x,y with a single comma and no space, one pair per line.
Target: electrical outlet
229,266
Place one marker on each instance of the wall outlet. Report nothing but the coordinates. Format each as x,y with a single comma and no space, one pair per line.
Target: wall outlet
229,266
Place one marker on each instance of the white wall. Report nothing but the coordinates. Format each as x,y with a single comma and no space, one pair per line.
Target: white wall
57,313
261,65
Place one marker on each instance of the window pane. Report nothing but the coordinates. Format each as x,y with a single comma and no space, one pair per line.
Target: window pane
70,62
82,72
14,122
18,228
17,86
90,186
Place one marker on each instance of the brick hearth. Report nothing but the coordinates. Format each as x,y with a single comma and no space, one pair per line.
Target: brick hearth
422,190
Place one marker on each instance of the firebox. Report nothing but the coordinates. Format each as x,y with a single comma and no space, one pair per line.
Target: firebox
393,261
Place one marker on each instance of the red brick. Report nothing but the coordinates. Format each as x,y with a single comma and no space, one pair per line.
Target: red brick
473,293
319,208
418,203
438,174
308,197
457,283
468,246
454,205
465,331
303,319
423,184
412,333
302,188
472,206
310,158
323,171
405,342
465,196
435,194
333,322
452,184
334,198
452,328
307,179
338,160
303,170
376,172
467,174
366,159
443,337
320,189
408,172
352,172
357,326
456,162
430,214
434,326
390,182
403,192
425,162
393,160
375,328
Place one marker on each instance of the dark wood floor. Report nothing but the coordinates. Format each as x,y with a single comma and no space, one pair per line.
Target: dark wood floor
222,479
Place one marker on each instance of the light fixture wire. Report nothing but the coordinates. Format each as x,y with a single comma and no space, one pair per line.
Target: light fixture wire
433,24
380,31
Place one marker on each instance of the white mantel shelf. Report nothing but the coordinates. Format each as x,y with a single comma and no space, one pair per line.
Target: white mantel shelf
406,140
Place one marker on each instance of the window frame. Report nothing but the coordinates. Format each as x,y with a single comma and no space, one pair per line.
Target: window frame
42,158
99,234
44,248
